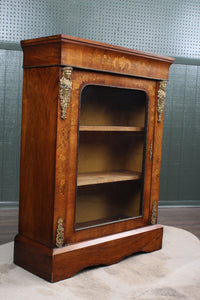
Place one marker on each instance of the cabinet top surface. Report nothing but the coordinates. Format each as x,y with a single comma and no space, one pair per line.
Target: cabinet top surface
65,50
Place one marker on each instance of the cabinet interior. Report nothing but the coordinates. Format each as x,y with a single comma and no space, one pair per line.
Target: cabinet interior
111,143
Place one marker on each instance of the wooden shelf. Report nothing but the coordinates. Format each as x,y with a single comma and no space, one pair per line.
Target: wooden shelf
106,177
111,128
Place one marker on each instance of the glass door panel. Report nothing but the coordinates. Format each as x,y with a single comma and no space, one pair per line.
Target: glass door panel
112,135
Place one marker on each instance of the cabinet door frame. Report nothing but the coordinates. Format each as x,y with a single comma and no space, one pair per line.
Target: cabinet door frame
81,78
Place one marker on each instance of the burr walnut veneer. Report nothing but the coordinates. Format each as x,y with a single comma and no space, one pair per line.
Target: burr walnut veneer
92,120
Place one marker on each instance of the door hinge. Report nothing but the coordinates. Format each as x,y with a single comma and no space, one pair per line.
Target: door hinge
151,151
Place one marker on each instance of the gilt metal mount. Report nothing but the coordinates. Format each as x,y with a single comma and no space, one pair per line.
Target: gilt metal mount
161,99
154,213
60,233
65,90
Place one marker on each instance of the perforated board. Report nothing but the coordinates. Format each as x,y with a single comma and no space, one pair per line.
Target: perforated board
179,184
165,27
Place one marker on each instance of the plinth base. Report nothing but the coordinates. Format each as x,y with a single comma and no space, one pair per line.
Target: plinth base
61,263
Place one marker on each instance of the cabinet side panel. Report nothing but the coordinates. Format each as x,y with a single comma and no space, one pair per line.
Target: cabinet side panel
38,153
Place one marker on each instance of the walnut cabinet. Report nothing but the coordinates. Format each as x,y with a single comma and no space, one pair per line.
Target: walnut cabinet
92,120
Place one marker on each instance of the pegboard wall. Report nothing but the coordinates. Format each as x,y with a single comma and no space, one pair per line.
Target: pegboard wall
168,27
164,27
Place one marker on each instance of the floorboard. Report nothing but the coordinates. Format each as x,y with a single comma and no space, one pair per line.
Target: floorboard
187,218
8,225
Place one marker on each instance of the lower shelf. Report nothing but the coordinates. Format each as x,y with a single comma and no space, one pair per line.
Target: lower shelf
106,177
61,263
111,128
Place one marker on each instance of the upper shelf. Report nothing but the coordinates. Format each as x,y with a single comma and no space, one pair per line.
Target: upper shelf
111,128
106,177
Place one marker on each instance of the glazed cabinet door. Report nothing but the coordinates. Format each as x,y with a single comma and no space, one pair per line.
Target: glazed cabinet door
111,120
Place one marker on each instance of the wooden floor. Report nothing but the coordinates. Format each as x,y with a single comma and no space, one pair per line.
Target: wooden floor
8,225
185,218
